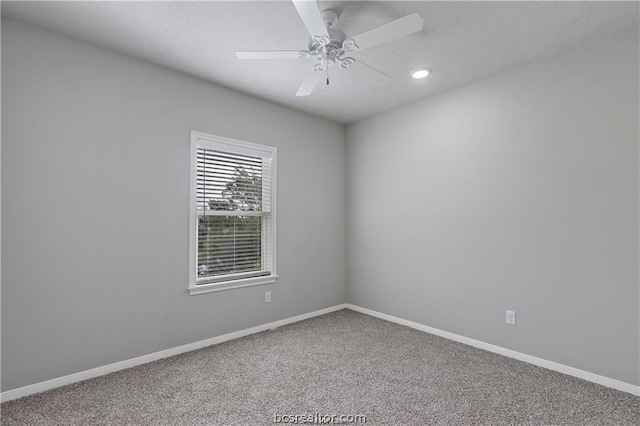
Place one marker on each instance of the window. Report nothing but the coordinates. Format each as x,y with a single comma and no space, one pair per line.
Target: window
232,238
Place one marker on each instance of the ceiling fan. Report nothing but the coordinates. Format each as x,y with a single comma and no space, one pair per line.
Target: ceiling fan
330,46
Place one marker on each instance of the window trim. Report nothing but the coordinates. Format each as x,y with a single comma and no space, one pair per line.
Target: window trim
239,146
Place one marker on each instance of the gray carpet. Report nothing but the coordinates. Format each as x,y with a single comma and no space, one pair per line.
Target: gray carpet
343,363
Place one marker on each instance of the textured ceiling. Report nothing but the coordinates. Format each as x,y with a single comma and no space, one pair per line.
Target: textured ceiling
462,42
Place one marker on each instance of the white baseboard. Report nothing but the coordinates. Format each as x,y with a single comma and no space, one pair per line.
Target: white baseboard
100,371
117,366
565,369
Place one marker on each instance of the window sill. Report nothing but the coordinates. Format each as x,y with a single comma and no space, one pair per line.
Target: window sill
229,285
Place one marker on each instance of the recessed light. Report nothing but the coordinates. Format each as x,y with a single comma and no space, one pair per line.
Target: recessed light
420,73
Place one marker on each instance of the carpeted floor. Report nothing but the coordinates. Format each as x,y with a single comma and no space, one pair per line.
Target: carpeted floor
344,363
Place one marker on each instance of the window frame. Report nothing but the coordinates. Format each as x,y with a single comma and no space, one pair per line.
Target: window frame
209,141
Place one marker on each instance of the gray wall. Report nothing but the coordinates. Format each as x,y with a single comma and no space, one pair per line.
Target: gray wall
95,192
516,192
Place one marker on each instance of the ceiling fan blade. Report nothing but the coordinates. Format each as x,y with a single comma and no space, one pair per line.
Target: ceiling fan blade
272,54
401,27
310,14
375,76
310,82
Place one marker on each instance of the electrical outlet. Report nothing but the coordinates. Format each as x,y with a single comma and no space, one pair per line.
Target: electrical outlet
267,296
511,317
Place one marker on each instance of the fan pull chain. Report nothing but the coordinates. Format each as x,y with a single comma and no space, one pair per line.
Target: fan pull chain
327,68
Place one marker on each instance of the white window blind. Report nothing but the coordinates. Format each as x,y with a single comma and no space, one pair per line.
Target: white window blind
234,187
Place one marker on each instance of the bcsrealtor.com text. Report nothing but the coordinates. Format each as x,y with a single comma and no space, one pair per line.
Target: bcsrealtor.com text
319,418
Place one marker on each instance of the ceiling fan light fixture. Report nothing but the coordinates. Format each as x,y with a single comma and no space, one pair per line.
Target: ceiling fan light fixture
420,73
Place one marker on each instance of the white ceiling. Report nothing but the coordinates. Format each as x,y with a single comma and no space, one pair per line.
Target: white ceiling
462,42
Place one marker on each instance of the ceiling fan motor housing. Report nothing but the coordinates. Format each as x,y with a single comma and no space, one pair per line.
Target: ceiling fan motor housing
337,37
331,52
